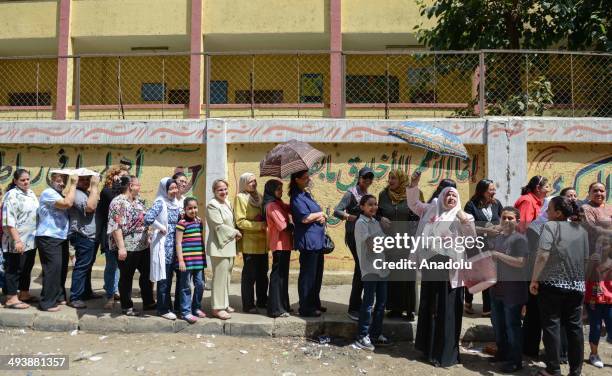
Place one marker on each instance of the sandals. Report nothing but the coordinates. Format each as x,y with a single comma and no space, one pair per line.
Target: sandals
230,310
221,314
199,313
18,305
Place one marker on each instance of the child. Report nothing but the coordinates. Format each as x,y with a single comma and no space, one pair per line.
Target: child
374,280
191,261
509,294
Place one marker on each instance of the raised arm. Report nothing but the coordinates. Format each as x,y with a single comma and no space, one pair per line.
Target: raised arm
413,196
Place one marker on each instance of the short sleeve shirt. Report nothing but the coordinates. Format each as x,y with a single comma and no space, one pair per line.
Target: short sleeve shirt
19,210
129,217
81,222
52,222
511,286
306,236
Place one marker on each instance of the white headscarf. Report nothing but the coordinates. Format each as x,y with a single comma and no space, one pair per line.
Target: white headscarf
162,194
157,270
440,221
254,198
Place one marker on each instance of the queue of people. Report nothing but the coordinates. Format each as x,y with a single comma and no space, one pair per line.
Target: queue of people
553,256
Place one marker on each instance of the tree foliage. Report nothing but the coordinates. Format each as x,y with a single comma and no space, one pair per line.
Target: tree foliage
517,24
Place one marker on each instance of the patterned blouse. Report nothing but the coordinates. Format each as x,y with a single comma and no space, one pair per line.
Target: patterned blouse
19,211
173,217
129,217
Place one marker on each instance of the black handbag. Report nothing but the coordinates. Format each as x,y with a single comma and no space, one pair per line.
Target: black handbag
328,245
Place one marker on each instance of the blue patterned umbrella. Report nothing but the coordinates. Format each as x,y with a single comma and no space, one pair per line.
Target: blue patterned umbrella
431,138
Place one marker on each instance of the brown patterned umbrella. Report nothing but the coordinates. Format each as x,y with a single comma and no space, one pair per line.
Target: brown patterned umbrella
288,158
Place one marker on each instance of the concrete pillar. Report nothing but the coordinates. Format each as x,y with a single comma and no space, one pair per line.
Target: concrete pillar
216,154
64,65
196,85
507,157
335,59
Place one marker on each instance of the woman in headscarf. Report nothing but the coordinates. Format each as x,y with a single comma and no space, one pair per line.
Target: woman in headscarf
280,242
441,303
163,217
250,221
398,218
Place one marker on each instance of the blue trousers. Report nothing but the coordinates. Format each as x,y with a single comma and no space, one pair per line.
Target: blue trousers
85,256
506,320
111,273
189,304
309,281
164,288
597,314
371,314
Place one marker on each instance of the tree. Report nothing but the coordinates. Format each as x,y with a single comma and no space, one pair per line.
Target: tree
517,24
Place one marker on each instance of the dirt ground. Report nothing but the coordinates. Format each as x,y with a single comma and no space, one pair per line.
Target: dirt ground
183,354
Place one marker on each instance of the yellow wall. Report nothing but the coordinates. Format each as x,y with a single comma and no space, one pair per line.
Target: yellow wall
265,16
28,19
337,174
130,17
390,16
21,75
567,165
149,163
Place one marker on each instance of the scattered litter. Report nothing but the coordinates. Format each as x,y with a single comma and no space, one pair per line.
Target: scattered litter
289,374
102,338
172,357
95,358
320,353
140,369
74,332
244,352
324,339
303,348
285,353
214,336
198,336
368,357
210,362
48,337
21,331
325,363
364,371
257,360
210,345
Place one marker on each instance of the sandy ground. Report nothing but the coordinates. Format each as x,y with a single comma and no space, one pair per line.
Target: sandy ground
183,354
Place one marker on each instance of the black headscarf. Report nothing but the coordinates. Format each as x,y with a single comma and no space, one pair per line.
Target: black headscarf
269,196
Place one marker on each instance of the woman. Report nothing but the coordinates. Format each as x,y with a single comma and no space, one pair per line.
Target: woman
309,239
440,308
398,218
280,242
128,243
444,183
558,281
112,187
486,210
221,246
19,224
348,210
52,240
163,217
250,221
597,214
569,193
183,186
531,200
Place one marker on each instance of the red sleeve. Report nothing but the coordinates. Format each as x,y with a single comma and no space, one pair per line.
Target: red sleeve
276,217
527,214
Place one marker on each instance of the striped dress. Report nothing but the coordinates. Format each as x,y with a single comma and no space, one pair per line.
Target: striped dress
193,245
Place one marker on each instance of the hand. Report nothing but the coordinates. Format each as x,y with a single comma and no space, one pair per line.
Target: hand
322,220
122,254
462,216
494,230
595,257
19,246
95,180
385,223
164,231
351,218
238,235
182,266
415,178
73,179
533,287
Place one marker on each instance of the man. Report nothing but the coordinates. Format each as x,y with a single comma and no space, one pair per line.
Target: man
82,236
51,240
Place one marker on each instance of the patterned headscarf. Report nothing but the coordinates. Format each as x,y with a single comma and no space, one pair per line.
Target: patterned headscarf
399,194
254,198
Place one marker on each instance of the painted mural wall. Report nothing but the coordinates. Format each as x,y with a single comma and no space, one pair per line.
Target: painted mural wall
149,163
338,172
569,165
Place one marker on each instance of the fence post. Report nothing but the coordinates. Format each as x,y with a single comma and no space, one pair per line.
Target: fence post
252,86
299,84
481,85
435,82
527,78
343,87
207,84
387,87
572,81
163,84
77,83
119,94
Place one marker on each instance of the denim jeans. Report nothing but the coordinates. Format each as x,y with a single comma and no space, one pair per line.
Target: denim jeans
190,305
506,320
164,287
371,315
111,273
85,256
597,314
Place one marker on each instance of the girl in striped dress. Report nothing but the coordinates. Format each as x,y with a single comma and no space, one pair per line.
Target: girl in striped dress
191,261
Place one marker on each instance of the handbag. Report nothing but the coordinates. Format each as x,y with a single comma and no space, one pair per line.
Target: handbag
328,245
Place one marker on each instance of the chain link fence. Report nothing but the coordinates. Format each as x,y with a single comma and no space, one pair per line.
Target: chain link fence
297,84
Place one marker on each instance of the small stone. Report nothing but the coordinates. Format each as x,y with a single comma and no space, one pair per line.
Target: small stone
244,352
95,358
74,332
140,369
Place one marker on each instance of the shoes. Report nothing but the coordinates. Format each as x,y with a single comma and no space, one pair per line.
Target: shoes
191,319
93,296
467,307
169,316
381,340
221,314
595,360
284,314
130,312
353,315
230,310
78,304
199,313
251,310
511,367
323,309
149,307
410,317
52,309
116,297
486,314
316,313
364,343
109,304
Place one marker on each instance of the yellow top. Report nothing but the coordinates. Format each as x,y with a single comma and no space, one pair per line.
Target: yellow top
250,222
